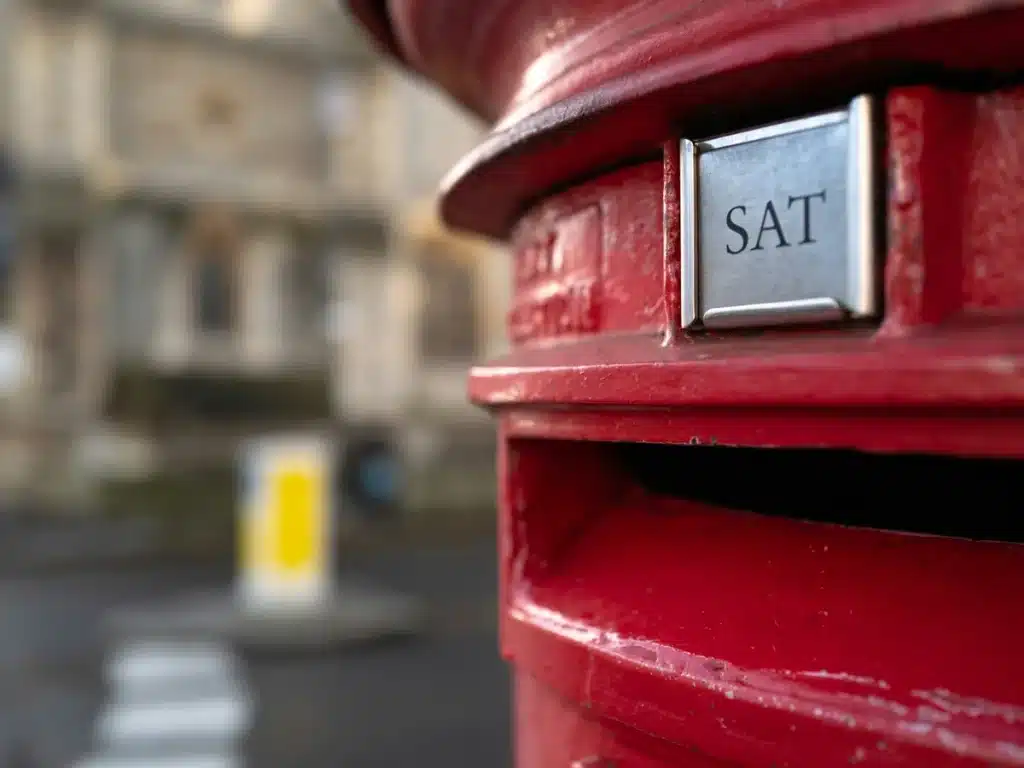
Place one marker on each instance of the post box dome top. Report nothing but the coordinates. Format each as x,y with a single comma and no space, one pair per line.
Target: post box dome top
571,86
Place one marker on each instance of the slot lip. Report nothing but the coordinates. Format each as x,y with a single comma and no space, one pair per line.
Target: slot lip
998,433
767,632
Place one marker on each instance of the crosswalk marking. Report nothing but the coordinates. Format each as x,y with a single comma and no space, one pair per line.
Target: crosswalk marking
172,705
183,761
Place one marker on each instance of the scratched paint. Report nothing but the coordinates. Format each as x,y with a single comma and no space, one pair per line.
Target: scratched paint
951,725
718,667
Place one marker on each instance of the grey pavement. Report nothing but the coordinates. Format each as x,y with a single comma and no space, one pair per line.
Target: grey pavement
31,543
439,699
434,702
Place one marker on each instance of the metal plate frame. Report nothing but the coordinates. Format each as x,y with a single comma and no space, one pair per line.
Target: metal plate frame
861,299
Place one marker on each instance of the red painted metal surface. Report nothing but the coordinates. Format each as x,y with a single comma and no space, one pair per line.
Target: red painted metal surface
745,639
505,58
612,79
649,628
952,334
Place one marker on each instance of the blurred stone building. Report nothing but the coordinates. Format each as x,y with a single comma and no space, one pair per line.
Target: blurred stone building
446,308
221,232
183,206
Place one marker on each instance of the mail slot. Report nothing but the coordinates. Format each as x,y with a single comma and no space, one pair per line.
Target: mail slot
762,421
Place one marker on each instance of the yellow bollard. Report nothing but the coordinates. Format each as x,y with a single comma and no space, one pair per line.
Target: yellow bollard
286,523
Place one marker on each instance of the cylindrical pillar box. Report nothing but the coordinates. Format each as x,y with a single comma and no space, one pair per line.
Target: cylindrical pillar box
762,422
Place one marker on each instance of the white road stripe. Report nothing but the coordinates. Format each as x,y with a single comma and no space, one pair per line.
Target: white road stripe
143,663
184,761
223,717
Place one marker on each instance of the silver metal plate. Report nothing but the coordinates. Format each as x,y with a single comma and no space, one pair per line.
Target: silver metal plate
778,223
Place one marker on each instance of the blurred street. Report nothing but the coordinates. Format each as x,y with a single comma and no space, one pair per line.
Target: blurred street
233,329
440,699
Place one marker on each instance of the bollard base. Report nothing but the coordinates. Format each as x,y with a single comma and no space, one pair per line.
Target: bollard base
354,614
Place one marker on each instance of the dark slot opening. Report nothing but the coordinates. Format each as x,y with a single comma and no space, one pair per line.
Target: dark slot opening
966,498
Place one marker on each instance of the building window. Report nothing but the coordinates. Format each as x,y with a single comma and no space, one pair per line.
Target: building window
449,327
309,285
8,249
59,277
214,243
215,300
6,287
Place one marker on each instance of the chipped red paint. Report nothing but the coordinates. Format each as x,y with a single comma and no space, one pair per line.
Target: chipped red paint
993,278
558,275
671,241
956,168
649,631
595,238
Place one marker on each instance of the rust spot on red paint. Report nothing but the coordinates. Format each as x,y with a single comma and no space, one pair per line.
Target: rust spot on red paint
994,207
672,238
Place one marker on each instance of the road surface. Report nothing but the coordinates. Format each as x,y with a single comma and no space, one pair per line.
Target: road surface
439,700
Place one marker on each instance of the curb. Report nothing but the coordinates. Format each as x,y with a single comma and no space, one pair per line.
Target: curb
38,546
355,615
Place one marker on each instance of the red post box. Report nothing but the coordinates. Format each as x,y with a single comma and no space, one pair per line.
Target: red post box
763,418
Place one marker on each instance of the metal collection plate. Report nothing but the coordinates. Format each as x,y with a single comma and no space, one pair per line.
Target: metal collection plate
778,223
